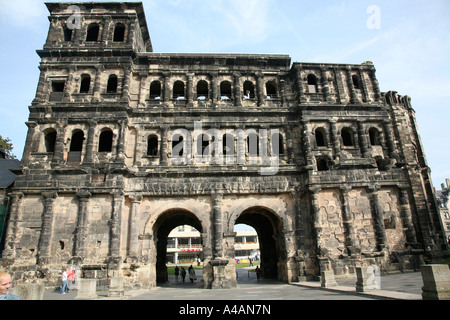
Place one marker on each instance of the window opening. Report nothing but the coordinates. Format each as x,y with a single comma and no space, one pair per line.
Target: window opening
249,90
119,33
228,145
225,90
50,141
112,84
253,144
356,82
312,83
322,164
271,90
155,90
374,137
152,145
105,141
92,34
202,90
320,137
178,90
347,137
277,144
68,34
85,84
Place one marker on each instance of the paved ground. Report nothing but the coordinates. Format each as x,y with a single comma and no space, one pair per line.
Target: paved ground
405,286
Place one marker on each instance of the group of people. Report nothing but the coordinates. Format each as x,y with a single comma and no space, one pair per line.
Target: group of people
68,276
182,272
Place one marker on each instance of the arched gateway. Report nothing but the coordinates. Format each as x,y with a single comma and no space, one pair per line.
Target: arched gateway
330,171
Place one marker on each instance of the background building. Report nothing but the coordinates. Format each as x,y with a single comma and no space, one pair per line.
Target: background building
184,245
443,196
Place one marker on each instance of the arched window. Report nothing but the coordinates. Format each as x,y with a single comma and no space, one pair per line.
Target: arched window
178,90
225,90
374,137
93,32
105,141
356,82
112,84
249,90
155,90
320,137
50,140
271,90
177,139
119,33
228,145
277,144
85,83
312,83
76,143
253,144
152,145
202,90
347,137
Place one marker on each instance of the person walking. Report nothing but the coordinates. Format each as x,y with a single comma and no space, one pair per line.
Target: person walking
70,279
183,273
65,274
5,285
258,272
192,275
177,273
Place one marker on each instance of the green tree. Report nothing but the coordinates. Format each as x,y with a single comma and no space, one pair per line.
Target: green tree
7,146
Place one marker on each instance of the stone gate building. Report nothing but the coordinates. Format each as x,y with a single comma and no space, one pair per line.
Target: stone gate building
125,144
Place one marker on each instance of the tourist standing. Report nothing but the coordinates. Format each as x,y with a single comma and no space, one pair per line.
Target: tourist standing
5,284
192,275
177,273
183,273
65,274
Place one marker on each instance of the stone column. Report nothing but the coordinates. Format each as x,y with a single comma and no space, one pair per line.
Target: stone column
142,90
347,217
215,89
218,225
121,141
407,216
317,229
133,250
81,230
88,158
307,150
114,225
362,137
29,142
364,90
237,90
97,83
42,89
58,155
389,138
126,85
190,90
166,97
164,153
260,88
300,88
375,85
335,139
14,225
69,84
353,96
326,87
377,216
45,241
299,225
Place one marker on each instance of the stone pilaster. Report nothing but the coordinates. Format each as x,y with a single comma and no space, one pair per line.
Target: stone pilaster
45,240
81,230
12,237
133,250
377,216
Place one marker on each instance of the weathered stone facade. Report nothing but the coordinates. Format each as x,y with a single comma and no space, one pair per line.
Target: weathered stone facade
100,185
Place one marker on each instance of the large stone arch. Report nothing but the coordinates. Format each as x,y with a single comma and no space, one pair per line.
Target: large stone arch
164,224
272,217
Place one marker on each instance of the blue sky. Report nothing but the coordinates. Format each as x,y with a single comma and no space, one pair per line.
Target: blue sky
409,45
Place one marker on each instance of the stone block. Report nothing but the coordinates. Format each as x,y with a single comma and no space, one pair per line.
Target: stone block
116,287
87,290
29,291
436,282
368,279
327,279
